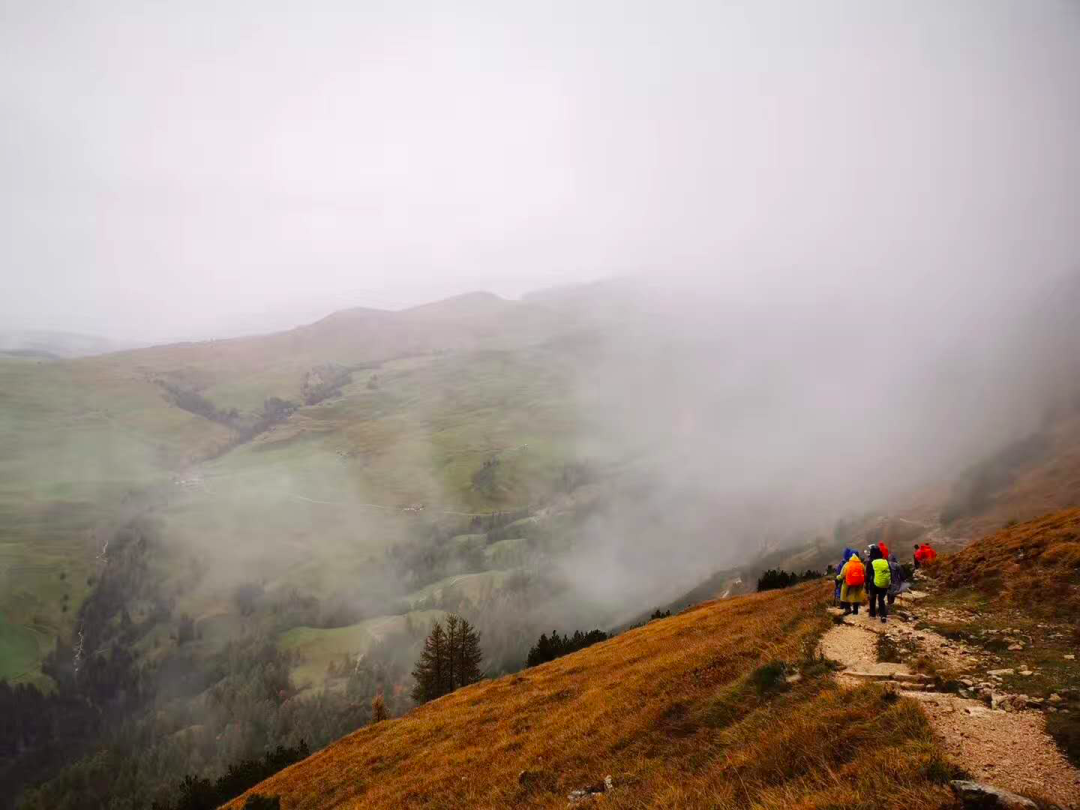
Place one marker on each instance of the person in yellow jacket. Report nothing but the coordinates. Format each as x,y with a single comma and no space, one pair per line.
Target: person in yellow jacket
852,579
881,576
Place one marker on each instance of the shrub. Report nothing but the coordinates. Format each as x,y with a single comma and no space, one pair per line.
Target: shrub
774,579
257,802
378,709
770,677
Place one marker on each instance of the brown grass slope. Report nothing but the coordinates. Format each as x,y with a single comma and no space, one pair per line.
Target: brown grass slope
1033,565
691,711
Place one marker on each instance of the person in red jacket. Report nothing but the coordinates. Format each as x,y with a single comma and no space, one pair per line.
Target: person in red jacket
924,554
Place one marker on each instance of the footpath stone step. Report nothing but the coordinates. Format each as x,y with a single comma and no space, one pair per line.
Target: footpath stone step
869,676
912,677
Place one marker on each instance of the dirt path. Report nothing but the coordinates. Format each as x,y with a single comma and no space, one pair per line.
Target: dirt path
1007,749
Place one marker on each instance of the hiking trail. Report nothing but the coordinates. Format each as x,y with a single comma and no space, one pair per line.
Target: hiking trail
1008,749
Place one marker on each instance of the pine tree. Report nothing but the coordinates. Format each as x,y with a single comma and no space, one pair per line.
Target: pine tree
469,655
453,653
430,670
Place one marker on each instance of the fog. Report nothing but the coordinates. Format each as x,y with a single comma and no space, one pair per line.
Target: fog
834,231
769,265
199,170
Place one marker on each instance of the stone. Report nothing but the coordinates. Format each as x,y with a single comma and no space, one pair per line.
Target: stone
1070,657
592,791
999,672
980,796
1016,647
1056,699
794,678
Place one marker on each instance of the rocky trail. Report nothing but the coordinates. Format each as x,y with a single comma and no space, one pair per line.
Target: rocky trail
1004,744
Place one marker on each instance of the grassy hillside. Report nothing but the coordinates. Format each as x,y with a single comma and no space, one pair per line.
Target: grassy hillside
75,443
1033,565
1016,594
458,406
684,712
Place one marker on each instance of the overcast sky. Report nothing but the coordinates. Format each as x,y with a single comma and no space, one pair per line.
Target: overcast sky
193,168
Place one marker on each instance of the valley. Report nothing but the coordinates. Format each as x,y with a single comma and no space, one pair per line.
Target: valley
306,505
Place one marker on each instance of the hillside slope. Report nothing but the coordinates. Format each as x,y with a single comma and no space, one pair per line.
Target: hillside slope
383,408
699,710
1033,565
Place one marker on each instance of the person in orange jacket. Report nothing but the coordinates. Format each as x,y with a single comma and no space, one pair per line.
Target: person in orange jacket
852,579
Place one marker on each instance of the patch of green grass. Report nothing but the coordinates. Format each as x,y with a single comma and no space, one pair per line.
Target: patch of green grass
317,647
1045,646
20,651
474,587
1065,729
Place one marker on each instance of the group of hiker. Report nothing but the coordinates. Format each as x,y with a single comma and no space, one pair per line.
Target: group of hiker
879,580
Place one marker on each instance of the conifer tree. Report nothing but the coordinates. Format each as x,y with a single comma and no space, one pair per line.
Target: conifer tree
469,655
453,648
430,670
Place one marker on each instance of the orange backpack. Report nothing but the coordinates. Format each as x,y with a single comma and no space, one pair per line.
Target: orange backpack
856,573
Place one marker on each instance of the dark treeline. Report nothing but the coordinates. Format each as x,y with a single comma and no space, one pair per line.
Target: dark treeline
774,579
246,425
136,708
548,648
200,793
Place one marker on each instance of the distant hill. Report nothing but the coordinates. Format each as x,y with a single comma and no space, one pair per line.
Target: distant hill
51,344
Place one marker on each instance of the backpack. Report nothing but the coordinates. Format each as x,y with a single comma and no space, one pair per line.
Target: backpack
856,573
882,574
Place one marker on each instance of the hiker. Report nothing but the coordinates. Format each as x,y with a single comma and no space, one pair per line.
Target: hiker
899,580
880,580
852,579
847,555
867,556
924,554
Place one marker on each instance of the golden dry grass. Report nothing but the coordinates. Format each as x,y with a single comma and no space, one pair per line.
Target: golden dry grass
1035,565
690,711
